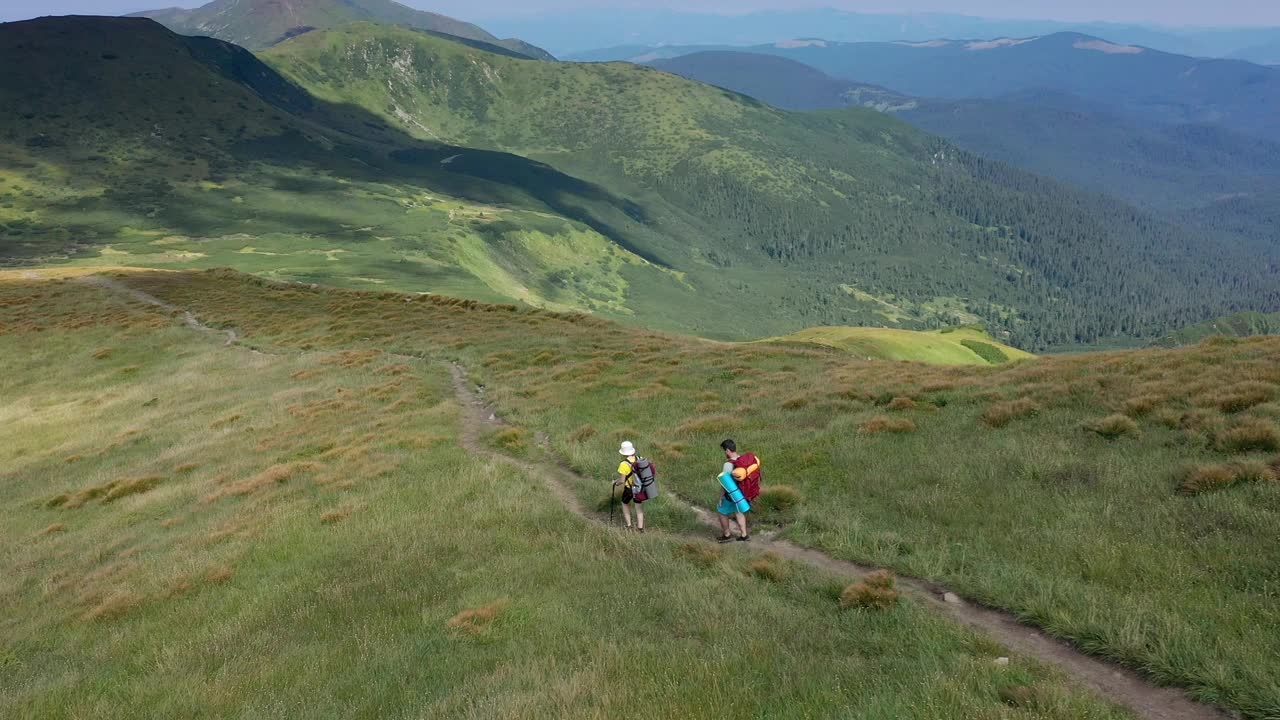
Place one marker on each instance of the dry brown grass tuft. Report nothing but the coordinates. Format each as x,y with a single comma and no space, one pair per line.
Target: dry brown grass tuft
307,374
510,439
186,468
1001,414
334,516
473,621
352,358
582,434
114,606
670,451
1140,406
874,592
1248,435
901,403
218,574
103,353
133,486
54,528
700,553
1114,427
796,402
625,433
1239,397
884,424
711,425
225,421
73,459
770,566
1206,478
274,475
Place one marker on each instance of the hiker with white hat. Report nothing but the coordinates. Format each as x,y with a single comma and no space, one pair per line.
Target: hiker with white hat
637,478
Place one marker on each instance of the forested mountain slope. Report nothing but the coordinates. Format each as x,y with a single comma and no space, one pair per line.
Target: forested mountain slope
1198,174
818,212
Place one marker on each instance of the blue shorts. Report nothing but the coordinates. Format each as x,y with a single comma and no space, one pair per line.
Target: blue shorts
726,506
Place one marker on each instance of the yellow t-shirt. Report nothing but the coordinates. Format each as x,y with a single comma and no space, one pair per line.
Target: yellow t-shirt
624,470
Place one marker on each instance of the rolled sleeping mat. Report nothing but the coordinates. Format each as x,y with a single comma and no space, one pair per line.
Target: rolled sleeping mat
735,495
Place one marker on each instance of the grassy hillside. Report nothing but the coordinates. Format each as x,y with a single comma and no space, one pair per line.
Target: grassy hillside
201,530
128,144
1104,497
257,24
950,346
740,196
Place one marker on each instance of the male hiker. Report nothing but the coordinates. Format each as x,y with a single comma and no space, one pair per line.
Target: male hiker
745,470
633,486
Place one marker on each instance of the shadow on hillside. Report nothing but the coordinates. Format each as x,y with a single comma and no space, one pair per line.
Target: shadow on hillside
343,141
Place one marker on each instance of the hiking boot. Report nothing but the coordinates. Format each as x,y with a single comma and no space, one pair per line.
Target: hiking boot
640,530
724,539
744,538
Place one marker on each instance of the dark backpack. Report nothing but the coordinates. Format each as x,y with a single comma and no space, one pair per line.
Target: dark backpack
646,477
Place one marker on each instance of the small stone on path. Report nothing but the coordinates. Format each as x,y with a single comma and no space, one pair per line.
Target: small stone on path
951,598
1001,661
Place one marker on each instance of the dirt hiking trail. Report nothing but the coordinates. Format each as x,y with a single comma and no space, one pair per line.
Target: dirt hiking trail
1118,684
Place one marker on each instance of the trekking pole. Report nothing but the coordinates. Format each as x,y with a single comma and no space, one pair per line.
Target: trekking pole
613,492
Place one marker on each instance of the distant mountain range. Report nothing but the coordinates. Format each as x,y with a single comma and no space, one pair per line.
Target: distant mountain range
1133,82
781,82
569,33
380,154
1199,173
257,24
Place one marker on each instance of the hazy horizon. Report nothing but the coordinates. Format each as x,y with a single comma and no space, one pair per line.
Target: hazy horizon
1225,13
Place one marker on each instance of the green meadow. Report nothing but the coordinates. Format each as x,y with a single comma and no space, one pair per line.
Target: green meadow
196,529
1105,497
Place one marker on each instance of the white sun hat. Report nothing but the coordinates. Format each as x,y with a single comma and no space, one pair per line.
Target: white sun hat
627,449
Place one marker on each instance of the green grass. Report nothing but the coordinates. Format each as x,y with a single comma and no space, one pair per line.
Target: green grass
952,346
1086,536
319,542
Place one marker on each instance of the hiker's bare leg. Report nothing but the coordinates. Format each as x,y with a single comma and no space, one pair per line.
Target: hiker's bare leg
724,525
626,513
639,516
742,524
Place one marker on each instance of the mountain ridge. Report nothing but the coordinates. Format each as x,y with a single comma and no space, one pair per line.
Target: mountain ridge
258,24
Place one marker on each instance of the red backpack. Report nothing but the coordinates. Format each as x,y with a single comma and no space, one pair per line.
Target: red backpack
749,485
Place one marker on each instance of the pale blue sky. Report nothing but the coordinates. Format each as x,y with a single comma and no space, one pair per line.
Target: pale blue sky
1166,12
